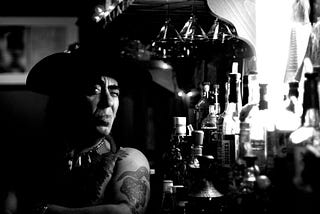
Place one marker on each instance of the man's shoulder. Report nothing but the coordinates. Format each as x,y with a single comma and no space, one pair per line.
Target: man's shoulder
132,157
131,151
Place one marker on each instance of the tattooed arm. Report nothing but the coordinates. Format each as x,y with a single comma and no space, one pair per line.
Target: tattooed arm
130,188
132,181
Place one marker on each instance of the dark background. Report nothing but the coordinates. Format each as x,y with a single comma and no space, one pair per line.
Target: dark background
146,110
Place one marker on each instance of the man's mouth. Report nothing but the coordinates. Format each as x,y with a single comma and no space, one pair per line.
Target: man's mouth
103,120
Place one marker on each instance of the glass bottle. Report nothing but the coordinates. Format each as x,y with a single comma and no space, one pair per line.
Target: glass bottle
304,143
215,92
202,107
174,162
209,122
261,126
168,202
228,148
288,119
196,148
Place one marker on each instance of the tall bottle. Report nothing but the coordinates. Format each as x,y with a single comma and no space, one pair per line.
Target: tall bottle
304,144
174,162
228,149
261,126
288,119
202,107
168,200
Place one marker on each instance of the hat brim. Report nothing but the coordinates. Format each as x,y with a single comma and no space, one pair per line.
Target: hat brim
69,72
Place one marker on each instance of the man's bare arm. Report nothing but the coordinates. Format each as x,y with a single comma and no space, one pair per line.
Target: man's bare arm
130,189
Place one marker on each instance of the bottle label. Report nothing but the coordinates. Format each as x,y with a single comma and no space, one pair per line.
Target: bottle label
258,149
226,151
212,138
281,141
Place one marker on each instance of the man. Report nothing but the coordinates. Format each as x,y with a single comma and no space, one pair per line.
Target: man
80,168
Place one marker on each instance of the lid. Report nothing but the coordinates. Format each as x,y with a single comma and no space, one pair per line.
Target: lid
198,137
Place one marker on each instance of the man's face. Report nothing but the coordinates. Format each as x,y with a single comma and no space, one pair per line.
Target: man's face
103,98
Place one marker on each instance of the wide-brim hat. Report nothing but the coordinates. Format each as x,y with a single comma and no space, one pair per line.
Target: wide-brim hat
66,72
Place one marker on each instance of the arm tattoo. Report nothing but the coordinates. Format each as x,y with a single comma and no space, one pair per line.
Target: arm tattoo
135,188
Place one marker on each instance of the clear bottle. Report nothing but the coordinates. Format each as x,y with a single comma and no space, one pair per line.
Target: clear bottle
261,126
228,148
210,121
212,125
215,93
202,107
288,119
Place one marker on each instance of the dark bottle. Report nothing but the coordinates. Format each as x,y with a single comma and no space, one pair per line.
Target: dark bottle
253,188
174,160
196,148
304,143
303,151
245,90
202,107
168,201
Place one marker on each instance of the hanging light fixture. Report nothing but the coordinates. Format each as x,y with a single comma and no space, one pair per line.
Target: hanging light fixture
193,34
220,30
168,43
192,31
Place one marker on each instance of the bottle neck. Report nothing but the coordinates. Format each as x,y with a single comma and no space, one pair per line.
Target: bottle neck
235,93
245,90
263,103
310,115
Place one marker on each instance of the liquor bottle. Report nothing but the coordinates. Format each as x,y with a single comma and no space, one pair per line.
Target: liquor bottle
174,162
304,143
228,148
245,90
253,188
215,93
209,122
287,121
168,202
246,113
196,148
212,125
261,126
202,107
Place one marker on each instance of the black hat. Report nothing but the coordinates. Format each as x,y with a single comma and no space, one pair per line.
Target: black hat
66,72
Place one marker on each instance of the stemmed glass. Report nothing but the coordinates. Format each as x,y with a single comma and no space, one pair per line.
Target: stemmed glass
168,43
193,34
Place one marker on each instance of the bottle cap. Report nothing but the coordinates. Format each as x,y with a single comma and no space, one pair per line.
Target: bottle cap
180,125
198,137
167,185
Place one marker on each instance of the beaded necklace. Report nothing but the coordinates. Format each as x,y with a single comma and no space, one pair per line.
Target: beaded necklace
85,158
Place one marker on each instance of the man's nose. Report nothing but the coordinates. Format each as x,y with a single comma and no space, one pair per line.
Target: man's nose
106,100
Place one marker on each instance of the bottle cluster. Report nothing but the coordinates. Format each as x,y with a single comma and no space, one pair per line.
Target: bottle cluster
246,158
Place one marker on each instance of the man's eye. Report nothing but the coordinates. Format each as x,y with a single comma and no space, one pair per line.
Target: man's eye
94,90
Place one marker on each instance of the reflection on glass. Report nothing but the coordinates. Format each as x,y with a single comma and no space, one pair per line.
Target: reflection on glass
194,36
192,30
219,30
168,43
